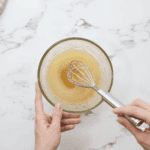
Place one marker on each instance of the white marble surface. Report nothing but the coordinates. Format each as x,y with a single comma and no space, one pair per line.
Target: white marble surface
29,27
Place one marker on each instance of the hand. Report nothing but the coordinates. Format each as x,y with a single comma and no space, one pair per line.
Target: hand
48,127
137,109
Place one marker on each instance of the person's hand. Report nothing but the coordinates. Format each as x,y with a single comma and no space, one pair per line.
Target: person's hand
48,127
137,109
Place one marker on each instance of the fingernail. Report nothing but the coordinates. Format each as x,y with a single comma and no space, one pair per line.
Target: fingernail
113,110
58,106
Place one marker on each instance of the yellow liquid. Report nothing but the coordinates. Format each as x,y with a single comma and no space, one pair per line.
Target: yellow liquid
58,81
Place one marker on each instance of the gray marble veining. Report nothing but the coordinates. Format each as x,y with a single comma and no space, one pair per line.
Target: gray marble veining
28,28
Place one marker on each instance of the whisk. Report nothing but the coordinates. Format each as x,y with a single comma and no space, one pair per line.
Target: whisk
81,75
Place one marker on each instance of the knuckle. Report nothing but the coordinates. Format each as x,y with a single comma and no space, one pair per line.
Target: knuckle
132,109
136,101
63,121
69,115
70,122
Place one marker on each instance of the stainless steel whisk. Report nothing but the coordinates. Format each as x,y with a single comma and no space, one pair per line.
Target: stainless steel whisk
81,75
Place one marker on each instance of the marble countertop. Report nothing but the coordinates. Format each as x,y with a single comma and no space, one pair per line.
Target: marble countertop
29,27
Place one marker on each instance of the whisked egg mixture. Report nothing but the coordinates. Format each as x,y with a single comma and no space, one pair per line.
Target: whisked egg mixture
58,80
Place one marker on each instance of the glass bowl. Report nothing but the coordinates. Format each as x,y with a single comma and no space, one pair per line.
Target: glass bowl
88,46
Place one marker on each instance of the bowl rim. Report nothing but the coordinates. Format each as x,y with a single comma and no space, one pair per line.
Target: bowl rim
58,42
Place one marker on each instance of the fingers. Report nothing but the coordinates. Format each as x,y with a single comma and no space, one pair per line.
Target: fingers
141,104
119,115
38,100
56,118
133,111
67,127
70,121
68,118
71,115
128,125
67,115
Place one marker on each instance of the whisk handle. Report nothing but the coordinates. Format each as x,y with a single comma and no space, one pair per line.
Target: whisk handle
116,104
113,102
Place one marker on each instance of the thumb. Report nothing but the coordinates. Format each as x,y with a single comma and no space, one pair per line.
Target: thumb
56,117
38,100
128,125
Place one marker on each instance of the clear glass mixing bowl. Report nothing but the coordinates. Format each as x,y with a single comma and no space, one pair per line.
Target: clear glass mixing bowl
93,49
